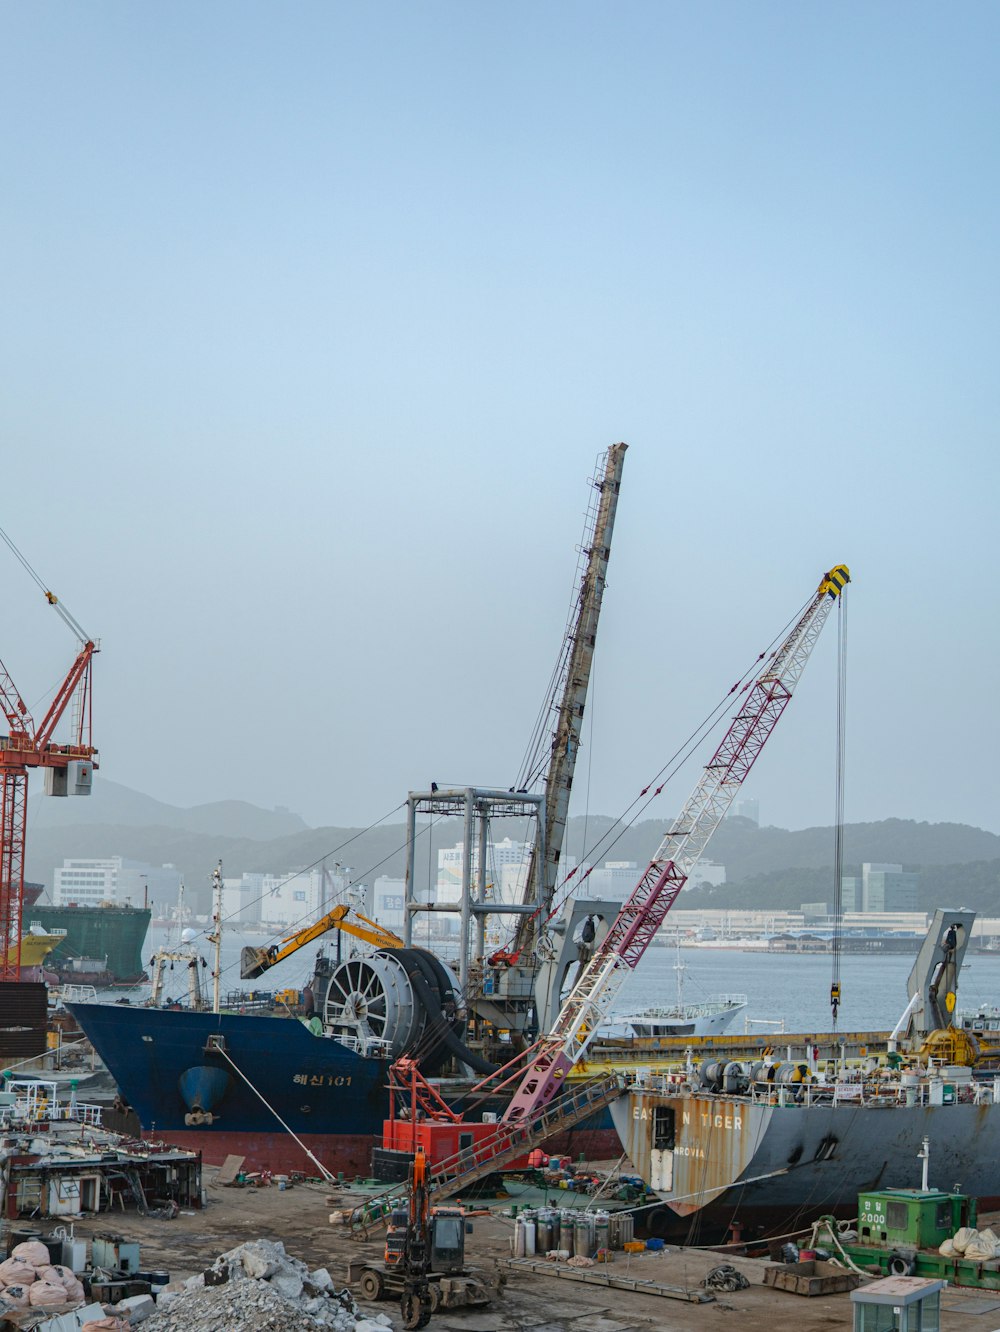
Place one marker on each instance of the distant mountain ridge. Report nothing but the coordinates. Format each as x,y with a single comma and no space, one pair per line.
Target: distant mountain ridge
119,821
113,805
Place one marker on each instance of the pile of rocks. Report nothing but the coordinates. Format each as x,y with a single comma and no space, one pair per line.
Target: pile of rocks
258,1287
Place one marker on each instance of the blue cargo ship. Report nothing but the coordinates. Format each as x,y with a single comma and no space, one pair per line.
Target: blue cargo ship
222,1083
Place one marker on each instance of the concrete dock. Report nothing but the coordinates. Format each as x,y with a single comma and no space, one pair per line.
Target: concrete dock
535,1301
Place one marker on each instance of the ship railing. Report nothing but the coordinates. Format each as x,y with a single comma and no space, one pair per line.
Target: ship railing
80,1113
777,1025
369,1046
74,994
872,1092
663,1080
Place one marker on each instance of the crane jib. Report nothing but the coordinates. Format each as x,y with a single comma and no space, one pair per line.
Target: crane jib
648,905
590,1000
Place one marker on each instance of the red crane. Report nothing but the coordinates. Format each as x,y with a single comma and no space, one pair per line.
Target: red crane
30,746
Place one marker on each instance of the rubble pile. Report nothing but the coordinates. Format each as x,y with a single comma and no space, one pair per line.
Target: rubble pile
258,1287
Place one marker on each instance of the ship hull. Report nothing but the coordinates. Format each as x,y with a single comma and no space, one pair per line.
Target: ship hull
718,1160
229,1084
115,933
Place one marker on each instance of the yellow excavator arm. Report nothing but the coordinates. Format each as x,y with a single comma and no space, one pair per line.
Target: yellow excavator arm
255,961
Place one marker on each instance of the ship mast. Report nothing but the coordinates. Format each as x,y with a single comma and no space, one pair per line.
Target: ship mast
215,937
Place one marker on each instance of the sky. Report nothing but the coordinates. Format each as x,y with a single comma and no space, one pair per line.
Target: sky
315,318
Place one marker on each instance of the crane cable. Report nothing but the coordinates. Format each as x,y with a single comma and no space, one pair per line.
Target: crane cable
641,802
838,819
50,596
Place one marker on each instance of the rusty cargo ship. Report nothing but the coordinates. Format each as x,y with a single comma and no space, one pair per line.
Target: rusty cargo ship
760,1148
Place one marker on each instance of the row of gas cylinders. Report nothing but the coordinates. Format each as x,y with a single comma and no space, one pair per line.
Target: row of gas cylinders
570,1231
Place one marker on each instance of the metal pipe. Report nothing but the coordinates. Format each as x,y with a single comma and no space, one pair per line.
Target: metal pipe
409,905
481,895
463,960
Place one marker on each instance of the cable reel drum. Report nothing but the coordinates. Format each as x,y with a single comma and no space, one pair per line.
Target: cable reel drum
394,1001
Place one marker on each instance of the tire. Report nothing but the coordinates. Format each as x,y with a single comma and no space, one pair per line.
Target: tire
434,1297
901,1266
372,1284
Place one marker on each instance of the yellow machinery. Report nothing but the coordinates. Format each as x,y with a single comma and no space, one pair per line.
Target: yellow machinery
255,961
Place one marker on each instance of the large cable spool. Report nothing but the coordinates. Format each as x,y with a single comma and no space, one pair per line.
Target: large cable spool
374,999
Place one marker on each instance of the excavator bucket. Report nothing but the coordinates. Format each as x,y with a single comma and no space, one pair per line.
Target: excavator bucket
253,962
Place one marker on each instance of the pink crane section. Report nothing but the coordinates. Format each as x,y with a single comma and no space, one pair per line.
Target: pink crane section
590,1002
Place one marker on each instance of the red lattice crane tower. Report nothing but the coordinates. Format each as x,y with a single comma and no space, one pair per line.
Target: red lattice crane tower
69,768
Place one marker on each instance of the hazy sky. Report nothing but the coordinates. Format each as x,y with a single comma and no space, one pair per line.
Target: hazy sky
317,316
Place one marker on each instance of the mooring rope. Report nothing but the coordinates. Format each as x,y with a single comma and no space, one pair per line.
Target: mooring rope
315,1160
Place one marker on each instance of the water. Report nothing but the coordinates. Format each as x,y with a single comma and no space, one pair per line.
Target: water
793,989
796,989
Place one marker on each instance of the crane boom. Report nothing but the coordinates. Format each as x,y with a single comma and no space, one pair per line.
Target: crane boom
572,682
590,1000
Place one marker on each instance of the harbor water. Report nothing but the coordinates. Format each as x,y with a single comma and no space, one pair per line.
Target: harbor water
793,989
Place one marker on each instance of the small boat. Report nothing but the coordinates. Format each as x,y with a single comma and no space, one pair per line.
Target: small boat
708,1018
36,944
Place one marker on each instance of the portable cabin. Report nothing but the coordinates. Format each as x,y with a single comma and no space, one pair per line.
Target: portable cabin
898,1304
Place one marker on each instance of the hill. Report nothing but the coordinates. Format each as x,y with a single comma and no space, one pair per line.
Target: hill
973,884
772,867
112,805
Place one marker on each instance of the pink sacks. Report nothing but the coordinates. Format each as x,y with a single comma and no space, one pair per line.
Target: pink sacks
58,1275
15,1297
44,1293
31,1251
13,1272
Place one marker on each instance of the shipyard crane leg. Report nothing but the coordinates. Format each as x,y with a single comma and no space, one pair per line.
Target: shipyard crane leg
13,804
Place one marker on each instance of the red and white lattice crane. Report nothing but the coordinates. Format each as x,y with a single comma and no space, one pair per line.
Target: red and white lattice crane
30,746
590,1001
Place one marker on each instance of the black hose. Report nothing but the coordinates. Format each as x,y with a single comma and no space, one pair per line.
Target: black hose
422,978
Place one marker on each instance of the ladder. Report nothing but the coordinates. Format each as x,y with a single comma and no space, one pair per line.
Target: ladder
456,1173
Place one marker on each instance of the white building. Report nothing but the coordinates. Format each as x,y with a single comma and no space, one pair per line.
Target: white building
116,880
291,899
506,869
613,881
387,903
706,871
507,866
241,899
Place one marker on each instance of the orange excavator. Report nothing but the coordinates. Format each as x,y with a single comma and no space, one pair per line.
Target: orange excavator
424,1262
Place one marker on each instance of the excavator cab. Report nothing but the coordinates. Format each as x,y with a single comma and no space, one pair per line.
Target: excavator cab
447,1240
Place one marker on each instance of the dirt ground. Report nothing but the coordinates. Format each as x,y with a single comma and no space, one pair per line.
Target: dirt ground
299,1217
